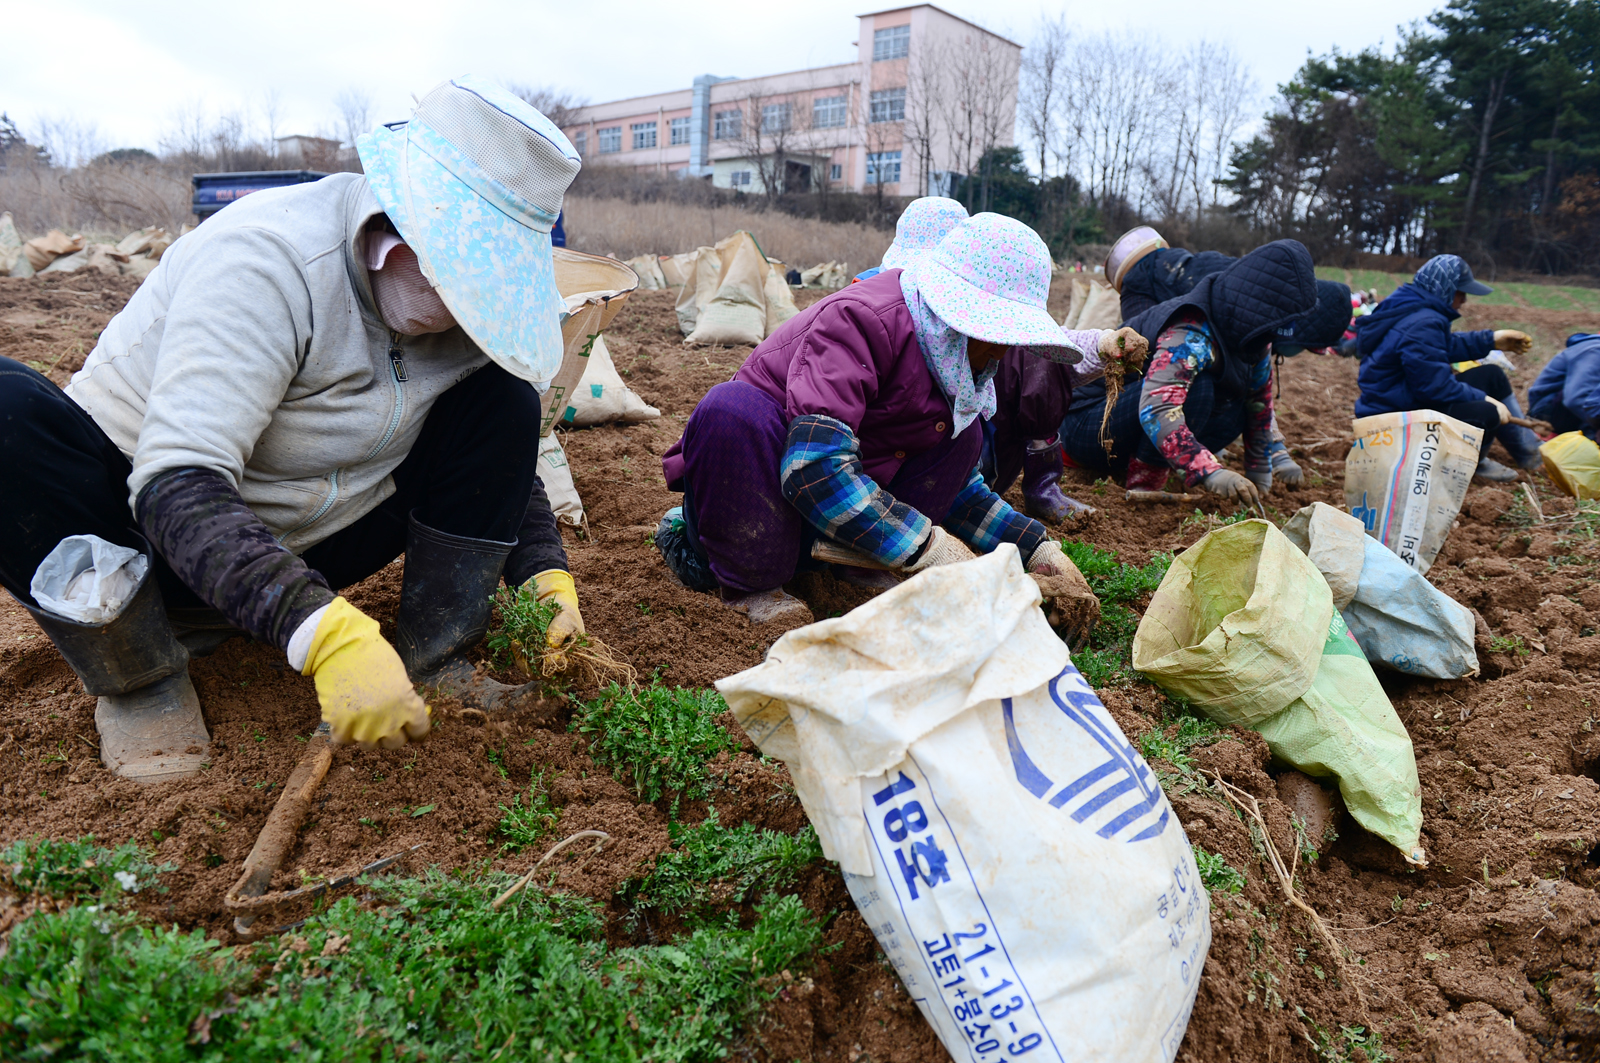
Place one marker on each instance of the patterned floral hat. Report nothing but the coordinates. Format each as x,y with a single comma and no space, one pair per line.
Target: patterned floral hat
989,279
921,226
474,183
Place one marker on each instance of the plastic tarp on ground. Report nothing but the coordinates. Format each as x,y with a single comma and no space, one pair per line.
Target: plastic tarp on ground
13,262
1243,625
1012,852
1399,619
1406,477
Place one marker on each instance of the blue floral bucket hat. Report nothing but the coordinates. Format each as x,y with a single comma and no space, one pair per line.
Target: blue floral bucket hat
921,226
474,183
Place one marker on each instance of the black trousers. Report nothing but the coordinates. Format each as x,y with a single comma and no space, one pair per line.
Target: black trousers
470,473
1215,420
1491,380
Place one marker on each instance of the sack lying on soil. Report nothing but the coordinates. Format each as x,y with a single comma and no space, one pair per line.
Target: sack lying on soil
601,397
11,250
1406,478
1398,617
1014,855
648,267
1572,462
828,274
1243,625
556,476
1094,304
43,250
593,289
739,296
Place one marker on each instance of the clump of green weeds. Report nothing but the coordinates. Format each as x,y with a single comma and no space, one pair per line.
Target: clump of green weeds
519,636
1216,873
661,736
1343,1046
524,825
1512,644
1191,731
68,869
711,866
1105,661
429,970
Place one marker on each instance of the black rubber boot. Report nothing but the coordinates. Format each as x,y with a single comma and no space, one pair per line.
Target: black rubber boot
148,715
444,611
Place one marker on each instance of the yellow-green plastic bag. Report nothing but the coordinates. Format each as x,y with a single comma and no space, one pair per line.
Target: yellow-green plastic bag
1573,462
1244,627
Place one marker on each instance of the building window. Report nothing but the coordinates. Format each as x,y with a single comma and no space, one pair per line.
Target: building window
610,139
886,105
775,118
680,130
836,172
726,125
892,43
644,135
739,179
883,168
581,141
827,112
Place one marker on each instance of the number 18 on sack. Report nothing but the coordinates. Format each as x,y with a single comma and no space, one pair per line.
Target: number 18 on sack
1016,859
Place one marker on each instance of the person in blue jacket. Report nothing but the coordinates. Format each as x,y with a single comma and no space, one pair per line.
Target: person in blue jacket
1567,393
1407,349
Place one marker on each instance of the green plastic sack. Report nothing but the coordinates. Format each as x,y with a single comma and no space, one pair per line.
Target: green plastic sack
1244,627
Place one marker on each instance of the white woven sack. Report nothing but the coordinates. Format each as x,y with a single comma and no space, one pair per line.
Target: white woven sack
1013,854
601,397
556,476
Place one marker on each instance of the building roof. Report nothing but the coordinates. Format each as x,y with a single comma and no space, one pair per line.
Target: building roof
946,14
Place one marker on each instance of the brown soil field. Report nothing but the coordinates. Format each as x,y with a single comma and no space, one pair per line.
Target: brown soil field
1491,953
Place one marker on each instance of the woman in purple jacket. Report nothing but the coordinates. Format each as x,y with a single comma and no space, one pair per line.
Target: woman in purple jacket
856,422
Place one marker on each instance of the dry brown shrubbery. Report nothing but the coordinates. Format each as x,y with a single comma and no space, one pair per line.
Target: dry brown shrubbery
661,227
98,198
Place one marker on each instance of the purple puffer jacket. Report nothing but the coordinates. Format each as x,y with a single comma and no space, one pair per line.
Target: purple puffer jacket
853,357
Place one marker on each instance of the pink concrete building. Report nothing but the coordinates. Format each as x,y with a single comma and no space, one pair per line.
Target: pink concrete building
926,95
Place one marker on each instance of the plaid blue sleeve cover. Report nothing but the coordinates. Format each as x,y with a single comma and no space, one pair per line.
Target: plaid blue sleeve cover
822,478
983,520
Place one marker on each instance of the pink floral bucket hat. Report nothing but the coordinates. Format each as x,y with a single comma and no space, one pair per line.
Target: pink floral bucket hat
989,279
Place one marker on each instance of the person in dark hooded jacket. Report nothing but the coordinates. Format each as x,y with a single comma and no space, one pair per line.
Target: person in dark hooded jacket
1168,272
1567,393
1407,351
1209,379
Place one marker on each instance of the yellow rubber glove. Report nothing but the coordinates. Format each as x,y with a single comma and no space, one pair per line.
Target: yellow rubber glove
1512,342
554,584
365,694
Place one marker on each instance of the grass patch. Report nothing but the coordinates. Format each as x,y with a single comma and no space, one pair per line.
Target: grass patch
1217,874
1191,731
711,866
1105,662
428,970
523,825
661,736
69,869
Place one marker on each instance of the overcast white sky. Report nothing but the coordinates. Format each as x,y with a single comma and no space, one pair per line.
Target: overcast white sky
126,69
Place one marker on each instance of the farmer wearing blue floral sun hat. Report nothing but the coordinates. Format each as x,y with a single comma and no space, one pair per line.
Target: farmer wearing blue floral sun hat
313,381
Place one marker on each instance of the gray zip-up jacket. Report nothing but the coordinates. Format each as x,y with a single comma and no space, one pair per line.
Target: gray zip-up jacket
255,351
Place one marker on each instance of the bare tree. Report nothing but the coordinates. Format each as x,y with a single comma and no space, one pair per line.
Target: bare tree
979,106
1206,97
355,113
558,105
775,134
1044,76
272,112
